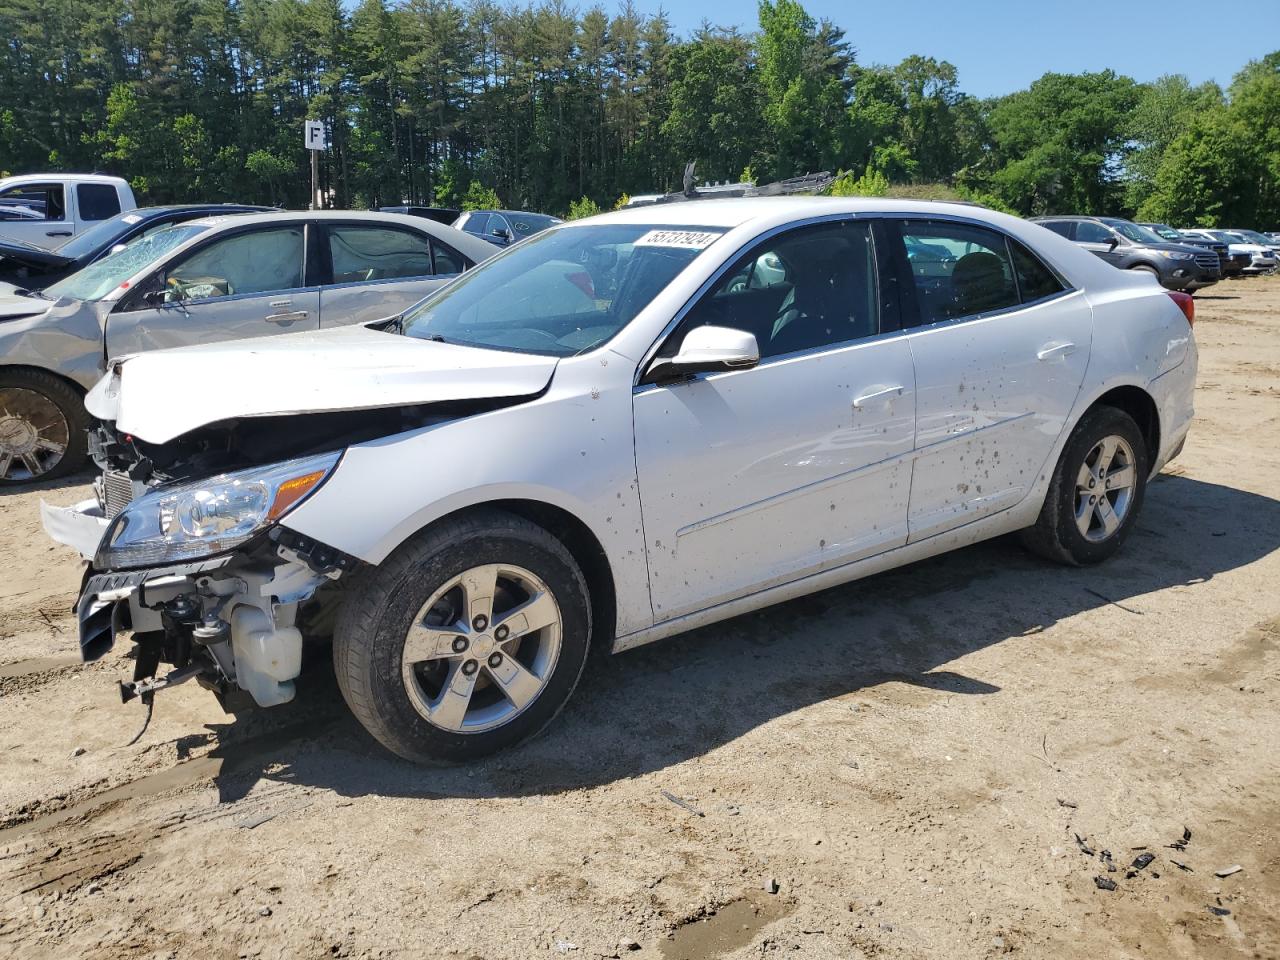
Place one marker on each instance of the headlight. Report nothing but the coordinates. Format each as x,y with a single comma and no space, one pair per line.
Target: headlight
209,516
1176,255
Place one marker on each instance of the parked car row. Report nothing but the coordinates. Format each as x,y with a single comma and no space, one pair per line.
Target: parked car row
1180,259
560,449
500,227
169,276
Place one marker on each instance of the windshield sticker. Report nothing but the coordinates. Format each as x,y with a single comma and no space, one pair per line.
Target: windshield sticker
685,239
132,218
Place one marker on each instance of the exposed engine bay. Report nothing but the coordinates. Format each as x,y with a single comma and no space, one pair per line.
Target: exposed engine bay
235,621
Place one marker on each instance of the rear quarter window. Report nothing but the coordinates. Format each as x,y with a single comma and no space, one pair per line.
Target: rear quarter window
98,201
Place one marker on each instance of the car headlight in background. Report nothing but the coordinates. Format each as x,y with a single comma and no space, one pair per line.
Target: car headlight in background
205,517
1176,255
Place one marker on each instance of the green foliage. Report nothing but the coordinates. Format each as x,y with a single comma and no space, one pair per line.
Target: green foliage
622,201
872,183
583,207
458,102
480,197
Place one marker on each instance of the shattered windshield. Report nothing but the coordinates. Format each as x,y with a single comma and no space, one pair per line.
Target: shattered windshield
562,292
98,279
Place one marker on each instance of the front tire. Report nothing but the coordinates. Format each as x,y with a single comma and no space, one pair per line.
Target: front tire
467,640
1096,492
43,428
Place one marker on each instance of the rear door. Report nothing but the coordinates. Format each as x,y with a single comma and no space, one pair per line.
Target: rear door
1000,346
376,271
241,283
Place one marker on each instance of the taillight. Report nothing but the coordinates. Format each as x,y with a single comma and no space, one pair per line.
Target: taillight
1186,303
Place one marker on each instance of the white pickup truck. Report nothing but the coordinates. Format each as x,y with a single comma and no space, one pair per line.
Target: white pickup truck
46,209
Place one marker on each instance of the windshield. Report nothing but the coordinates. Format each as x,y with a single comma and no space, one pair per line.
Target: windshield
1253,236
1166,232
99,236
527,224
1131,231
98,279
563,291
1226,237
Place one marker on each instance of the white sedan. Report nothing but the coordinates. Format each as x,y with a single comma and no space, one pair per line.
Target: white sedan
615,431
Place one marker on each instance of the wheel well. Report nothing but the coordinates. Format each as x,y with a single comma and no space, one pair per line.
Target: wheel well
27,368
1138,404
585,548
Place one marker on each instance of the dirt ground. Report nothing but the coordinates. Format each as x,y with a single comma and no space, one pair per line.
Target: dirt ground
910,759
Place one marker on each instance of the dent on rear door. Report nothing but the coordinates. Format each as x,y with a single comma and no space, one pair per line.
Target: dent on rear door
365,302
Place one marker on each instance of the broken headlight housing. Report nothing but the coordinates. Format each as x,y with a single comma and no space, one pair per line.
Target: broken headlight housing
199,519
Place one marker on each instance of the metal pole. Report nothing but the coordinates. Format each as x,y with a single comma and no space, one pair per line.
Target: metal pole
315,173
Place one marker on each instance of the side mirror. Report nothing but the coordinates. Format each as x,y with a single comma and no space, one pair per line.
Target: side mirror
709,350
502,233
1113,243
153,298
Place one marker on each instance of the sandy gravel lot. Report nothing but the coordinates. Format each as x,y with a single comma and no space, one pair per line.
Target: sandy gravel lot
910,759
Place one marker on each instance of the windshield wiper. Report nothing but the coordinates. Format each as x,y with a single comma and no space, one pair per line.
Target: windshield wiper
35,294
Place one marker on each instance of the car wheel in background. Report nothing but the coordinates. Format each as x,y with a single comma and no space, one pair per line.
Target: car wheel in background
468,639
43,427
1096,491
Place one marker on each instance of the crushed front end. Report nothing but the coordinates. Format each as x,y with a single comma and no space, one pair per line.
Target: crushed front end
192,560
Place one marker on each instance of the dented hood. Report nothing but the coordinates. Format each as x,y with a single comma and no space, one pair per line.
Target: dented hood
163,394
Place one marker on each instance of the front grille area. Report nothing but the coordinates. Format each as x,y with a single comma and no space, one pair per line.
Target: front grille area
117,492
1208,260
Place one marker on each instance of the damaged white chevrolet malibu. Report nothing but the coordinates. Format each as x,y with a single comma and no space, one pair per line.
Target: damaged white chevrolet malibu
615,431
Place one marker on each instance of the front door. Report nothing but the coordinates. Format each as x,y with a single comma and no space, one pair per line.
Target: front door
1100,241
755,477
36,213
246,284
1000,351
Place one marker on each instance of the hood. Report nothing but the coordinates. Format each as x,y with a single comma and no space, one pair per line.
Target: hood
14,305
1172,247
163,394
29,255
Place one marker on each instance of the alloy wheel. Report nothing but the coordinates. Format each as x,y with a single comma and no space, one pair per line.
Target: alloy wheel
1104,488
482,648
34,434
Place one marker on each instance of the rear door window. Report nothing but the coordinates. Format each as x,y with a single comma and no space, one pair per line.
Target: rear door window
366,253
1089,232
97,201
1060,227
959,270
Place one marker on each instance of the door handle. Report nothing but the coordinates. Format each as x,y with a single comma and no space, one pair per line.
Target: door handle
57,233
1056,350
879,393
289,317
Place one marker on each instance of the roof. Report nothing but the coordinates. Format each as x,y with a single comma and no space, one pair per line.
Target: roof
42,177
736,211
466,244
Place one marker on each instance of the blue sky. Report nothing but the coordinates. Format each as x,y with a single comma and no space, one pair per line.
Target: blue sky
999,46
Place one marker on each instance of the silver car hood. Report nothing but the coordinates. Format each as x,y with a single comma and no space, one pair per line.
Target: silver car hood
14,305
162,394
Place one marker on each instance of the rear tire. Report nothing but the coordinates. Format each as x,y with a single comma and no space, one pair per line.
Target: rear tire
43,428
1106,459
439,675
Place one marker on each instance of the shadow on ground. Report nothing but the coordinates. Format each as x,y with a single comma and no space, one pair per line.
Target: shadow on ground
683,697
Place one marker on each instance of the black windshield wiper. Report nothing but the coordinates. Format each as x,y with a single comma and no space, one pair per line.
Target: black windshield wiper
34,294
